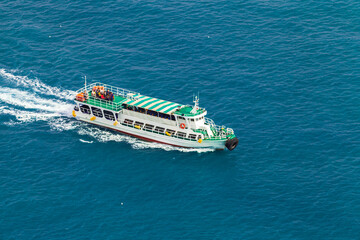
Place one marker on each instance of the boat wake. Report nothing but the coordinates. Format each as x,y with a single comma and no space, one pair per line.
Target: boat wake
27,100
84,141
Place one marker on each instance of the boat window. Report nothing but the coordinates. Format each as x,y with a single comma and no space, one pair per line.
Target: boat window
128,121
192,119
152,113
170,131
117,116
192,136
159,129
181,134
109,115
149,127
76,108
173,117
198,137
85,109
139,123
97,112
163,115
181,118
141,110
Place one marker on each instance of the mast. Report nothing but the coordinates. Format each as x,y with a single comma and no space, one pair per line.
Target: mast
85,92
196,105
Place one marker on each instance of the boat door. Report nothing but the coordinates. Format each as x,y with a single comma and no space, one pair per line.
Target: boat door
182,123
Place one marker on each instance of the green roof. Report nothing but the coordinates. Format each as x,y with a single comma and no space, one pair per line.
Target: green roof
187,111
151,103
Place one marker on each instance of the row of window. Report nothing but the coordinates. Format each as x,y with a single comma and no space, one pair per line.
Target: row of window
157,114
110,116
149,112
191,119
160,129
197,119
97,112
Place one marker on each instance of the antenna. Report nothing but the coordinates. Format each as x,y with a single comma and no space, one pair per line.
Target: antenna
196,105
85,91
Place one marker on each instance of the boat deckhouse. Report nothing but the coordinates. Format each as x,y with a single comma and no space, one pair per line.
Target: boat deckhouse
152,115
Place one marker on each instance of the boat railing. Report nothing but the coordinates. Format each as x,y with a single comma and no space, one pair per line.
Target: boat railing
104,103
219,131
115,90
116,106
209,121
161,133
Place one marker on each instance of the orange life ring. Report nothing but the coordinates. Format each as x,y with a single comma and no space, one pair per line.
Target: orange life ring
182,126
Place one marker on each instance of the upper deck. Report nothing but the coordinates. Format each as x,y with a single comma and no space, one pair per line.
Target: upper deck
115,105
124,97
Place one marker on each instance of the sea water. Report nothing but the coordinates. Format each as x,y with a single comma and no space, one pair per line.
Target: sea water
283,74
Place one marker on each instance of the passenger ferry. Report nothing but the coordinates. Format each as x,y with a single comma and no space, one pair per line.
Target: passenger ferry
151,119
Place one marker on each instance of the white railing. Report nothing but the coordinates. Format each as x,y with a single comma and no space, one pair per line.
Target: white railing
106,103
209,121
115,90
221,131
161,133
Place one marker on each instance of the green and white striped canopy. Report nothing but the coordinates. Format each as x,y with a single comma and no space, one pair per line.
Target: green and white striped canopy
154,104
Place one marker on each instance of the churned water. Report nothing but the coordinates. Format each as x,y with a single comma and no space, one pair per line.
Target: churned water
285,75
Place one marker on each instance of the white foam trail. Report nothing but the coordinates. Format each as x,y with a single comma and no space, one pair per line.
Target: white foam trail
64,124
37,86
143,145
84,141
32,101
27,116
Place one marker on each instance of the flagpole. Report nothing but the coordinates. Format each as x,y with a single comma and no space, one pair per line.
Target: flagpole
85,92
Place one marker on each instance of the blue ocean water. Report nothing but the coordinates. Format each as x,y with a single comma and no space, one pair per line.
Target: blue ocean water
283,74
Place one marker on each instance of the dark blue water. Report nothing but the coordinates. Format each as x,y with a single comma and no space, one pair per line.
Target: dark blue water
284,74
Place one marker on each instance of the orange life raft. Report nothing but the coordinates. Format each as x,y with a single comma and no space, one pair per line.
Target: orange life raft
80,97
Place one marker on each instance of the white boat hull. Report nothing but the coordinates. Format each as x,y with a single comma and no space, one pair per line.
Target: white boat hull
151,136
